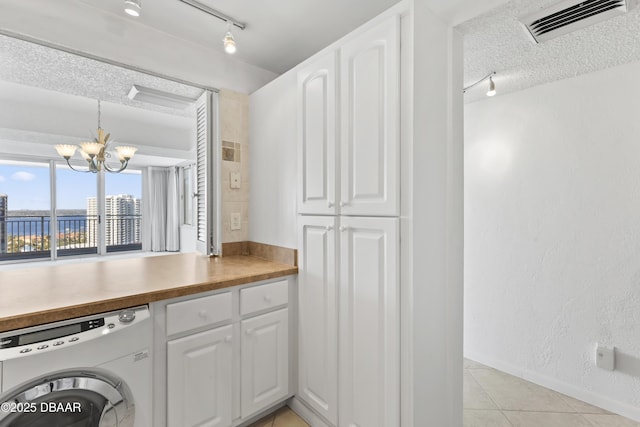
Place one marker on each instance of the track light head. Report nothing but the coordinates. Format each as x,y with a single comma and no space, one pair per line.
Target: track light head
229,43
492,87
132,7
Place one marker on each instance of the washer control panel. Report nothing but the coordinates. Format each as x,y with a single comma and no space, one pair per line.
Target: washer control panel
50,337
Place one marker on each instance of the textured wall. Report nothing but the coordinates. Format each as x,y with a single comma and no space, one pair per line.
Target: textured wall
552,234
234,130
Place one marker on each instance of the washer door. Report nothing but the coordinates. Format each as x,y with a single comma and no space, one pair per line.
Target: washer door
70,398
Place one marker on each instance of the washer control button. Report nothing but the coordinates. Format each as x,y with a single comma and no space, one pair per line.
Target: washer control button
74,339
126,316
42,347
57,343
111,325
25,350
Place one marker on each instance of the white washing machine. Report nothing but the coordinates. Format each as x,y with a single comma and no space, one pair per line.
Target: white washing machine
93,371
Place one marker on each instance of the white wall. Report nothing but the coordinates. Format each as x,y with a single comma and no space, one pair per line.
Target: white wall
272,162
552,234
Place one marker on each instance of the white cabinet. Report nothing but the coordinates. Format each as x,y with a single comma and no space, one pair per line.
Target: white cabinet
227,354
318,315
264,360
354,308
317,136
199,379
370,115
366,180
369,357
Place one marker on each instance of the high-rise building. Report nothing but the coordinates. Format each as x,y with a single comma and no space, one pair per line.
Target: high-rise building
122,219
4,202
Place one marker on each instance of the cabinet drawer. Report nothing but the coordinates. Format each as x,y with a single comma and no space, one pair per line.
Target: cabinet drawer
263,297
186,315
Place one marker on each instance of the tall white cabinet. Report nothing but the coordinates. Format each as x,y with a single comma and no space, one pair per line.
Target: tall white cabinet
348,230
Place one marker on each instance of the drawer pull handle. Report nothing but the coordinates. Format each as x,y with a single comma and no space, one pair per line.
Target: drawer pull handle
330,204
203,314
227,339
267,299
249,331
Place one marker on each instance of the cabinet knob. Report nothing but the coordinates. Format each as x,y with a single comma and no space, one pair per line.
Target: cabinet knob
330,204
329,227
343,228
249,331
203,314
267,299
343,204
227,339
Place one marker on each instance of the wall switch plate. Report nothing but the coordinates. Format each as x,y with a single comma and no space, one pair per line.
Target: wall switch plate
236,221
605,357
234,180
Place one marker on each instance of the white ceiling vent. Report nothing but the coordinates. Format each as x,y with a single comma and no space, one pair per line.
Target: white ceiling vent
571,15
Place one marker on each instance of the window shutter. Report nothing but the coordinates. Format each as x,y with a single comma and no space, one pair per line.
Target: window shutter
207,186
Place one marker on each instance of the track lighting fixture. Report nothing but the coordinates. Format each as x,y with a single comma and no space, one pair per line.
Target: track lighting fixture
229,42
492,87
492,84
132,7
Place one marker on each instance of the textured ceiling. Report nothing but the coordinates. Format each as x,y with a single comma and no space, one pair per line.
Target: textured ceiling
38,66
497,41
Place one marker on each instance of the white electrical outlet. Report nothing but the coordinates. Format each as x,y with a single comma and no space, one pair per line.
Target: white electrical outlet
605,357
234,180
236,221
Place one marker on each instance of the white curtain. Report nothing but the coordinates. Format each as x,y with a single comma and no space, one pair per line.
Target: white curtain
163,209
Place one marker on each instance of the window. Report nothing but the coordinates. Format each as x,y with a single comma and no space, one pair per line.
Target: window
25,207
123,211
77,225
81,224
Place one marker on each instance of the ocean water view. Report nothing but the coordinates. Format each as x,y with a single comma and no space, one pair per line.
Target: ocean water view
28,225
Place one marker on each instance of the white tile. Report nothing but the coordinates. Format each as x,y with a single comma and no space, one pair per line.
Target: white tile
514,394
582,407
474,396
477,418
545,419
610,420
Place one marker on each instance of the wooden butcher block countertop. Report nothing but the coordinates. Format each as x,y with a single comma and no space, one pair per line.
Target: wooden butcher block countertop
40,295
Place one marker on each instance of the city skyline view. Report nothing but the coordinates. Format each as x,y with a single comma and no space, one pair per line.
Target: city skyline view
28,186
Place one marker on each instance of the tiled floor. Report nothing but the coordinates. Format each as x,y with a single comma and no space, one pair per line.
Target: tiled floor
283,417
495,399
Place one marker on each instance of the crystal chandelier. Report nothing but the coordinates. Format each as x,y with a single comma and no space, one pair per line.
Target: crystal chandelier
95,152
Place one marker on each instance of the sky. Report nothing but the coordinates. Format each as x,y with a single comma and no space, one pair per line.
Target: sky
28,186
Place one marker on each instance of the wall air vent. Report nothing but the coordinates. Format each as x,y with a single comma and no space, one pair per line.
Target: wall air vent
568,16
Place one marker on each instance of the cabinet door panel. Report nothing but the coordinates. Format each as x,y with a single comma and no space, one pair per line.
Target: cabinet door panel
369,323
199,379
317,136
370,113
265,360
317,342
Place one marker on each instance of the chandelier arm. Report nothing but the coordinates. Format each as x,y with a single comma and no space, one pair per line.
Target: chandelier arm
74,169
123,166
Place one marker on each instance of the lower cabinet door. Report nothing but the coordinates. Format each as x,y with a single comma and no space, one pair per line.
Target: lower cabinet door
199,379
265,361
369,361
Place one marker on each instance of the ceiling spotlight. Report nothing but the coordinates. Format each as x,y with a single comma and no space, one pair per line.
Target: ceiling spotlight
132,7
492,87
229,42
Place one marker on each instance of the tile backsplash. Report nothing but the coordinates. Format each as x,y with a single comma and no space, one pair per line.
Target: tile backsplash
234,120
